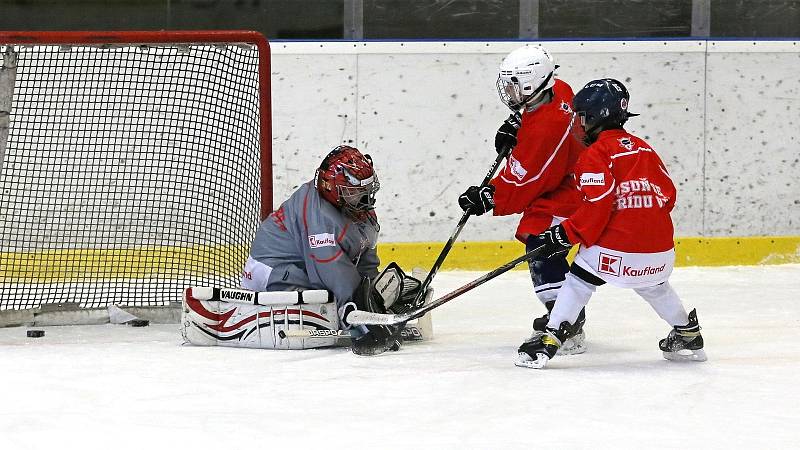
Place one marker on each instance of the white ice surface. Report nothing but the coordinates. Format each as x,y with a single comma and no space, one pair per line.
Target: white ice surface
116,387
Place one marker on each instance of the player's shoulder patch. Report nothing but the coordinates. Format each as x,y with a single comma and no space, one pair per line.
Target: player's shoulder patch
625,142
592,179
565,107
516,168
322,240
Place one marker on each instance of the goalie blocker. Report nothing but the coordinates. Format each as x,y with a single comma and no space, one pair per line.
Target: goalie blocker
288,320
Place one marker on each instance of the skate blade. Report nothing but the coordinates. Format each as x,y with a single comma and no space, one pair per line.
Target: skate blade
525,360
686,355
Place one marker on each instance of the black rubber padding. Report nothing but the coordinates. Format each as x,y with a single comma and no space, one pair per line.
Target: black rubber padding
585,275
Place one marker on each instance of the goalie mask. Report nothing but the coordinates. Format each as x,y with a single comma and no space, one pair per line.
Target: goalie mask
525,75
347,180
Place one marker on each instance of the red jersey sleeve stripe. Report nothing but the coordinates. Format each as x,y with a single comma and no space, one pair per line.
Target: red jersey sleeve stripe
613,185
632,152
547,163
327,260
305,206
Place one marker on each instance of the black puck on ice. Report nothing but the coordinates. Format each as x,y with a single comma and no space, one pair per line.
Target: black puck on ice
281,334
139,323
35,333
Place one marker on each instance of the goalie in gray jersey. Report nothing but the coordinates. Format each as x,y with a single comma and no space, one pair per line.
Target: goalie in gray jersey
324,237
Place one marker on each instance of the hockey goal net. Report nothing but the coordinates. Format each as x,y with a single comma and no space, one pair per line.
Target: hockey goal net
132,164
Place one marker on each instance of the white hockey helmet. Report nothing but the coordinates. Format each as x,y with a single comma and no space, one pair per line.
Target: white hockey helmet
525,74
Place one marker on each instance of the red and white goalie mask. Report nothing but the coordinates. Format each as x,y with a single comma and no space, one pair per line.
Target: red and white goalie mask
347,180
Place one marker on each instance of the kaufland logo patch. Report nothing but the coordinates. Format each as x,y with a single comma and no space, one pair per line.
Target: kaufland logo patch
645,271
593,179
322,240
516,168
609,264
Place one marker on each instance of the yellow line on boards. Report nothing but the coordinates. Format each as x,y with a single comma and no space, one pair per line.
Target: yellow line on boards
70,265
689,251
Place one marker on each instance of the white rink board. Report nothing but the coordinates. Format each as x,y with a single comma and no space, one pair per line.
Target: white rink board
112,386
721,114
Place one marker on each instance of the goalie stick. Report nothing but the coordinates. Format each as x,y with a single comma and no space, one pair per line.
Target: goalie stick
449,245
359,317
409,333
283,334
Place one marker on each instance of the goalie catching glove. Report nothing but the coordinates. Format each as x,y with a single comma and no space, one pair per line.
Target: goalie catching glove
391,292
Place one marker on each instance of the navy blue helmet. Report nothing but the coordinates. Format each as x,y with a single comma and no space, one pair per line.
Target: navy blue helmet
601,105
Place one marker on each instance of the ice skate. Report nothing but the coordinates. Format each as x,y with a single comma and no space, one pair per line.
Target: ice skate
574,344
528,361
535,353
684,343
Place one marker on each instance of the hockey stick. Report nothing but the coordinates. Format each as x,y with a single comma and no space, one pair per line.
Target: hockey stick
359,317
449,245
409,333
283,334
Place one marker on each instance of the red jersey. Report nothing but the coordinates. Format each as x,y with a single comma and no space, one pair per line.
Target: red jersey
627,196
536,179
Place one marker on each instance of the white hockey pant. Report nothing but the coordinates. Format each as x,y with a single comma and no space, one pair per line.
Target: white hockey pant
572,298
665,302
575,294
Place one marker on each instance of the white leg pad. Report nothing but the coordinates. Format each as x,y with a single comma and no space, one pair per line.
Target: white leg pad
254,319
420,329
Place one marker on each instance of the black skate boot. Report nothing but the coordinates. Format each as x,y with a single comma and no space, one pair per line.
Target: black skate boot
575,342
537,351
540,323
684,343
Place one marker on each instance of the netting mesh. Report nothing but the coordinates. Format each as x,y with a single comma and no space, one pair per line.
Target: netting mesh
127,173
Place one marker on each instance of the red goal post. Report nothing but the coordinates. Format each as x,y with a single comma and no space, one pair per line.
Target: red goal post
132,164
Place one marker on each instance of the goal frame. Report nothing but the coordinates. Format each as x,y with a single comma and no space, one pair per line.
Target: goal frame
112,38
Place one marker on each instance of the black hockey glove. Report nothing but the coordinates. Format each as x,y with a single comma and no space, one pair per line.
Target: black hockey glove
378,338
506,136
554,241
477,200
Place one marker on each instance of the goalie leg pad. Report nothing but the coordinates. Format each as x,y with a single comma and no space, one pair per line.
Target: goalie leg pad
208,320
420,329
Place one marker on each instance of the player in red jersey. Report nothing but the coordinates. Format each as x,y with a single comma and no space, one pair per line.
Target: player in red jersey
536,180
623,227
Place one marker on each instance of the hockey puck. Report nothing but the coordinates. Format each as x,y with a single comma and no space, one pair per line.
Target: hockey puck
282,334
35,333
139,323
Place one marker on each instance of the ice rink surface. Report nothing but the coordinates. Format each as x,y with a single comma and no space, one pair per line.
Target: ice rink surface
117,387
